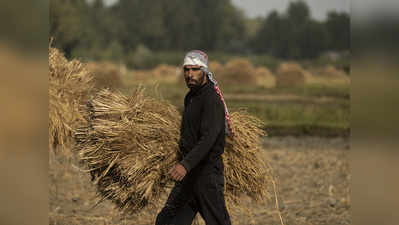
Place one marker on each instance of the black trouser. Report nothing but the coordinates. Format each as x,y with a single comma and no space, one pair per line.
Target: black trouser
196,193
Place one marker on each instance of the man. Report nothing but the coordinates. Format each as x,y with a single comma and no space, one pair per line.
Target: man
199,174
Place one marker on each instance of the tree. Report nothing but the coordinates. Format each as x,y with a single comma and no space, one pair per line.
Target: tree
182,34
232,35
268,34
313,39
338,25
298,12
278,36
143,22
68,23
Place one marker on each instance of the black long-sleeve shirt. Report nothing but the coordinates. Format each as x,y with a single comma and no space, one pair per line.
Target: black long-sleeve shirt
202,132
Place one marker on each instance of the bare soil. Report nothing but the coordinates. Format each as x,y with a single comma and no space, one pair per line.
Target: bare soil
313,178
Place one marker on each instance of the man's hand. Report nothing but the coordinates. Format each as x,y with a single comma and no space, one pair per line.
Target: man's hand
178,172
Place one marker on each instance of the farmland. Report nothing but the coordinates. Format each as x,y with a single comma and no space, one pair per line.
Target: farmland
313,176
319,107
307,145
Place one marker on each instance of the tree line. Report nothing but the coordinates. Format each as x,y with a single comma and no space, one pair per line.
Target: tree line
90,29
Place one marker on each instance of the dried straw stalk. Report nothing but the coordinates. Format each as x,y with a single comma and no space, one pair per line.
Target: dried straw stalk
130,143
246,171
69,84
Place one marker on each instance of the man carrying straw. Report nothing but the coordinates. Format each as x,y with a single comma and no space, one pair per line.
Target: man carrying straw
199,175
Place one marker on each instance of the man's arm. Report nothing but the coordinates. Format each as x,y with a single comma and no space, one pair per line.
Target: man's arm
212,122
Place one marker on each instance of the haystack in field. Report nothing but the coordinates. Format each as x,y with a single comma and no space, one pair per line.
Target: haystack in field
291,75
130,143
239,71
106,75
333,73
216,68
264,77
328,75
69,84
165,73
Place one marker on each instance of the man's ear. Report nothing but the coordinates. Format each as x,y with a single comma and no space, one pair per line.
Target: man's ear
205,76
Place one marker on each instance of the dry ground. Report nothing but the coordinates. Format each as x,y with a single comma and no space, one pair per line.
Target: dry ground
313,178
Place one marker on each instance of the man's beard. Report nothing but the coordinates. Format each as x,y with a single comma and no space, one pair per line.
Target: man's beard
195,84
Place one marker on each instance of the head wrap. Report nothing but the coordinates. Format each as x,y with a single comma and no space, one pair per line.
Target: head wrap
199,58
196,58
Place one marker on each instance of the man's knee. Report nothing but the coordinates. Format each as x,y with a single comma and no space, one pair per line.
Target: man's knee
171,216
165,217
162,218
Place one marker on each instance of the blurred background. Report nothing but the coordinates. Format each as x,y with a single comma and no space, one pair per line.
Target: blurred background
144,34
285,61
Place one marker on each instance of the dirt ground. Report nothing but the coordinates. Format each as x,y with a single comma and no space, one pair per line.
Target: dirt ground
313,178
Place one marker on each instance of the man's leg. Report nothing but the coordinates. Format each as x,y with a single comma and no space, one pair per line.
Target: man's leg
209,194
179,208
183,216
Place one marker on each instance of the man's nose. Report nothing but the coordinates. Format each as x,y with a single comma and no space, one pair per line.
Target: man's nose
190,72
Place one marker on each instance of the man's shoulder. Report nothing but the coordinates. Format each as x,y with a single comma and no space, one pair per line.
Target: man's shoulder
212,96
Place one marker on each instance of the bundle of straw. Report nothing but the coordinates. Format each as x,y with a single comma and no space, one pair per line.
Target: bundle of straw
69,84
106,75
165,73
130,143
239,71
291,75
216,68
246,171
264,77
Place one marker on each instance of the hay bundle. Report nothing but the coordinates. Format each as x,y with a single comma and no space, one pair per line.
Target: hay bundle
332,72
246,171
130,143
139,77
106,75
239,71
166,73
265,78
163,70
291,75
216,68
328,76
69,84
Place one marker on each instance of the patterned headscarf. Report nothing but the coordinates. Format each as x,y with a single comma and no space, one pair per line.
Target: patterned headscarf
199,58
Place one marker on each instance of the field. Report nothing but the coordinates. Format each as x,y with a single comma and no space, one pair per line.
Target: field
313,175
306,116
320,107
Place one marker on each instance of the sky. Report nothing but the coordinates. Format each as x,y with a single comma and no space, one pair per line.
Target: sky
254,8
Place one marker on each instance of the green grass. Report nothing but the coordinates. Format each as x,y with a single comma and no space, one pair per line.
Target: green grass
309,90
282,117
292,114
338,91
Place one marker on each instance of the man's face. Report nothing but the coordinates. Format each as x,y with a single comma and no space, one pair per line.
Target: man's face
193,76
